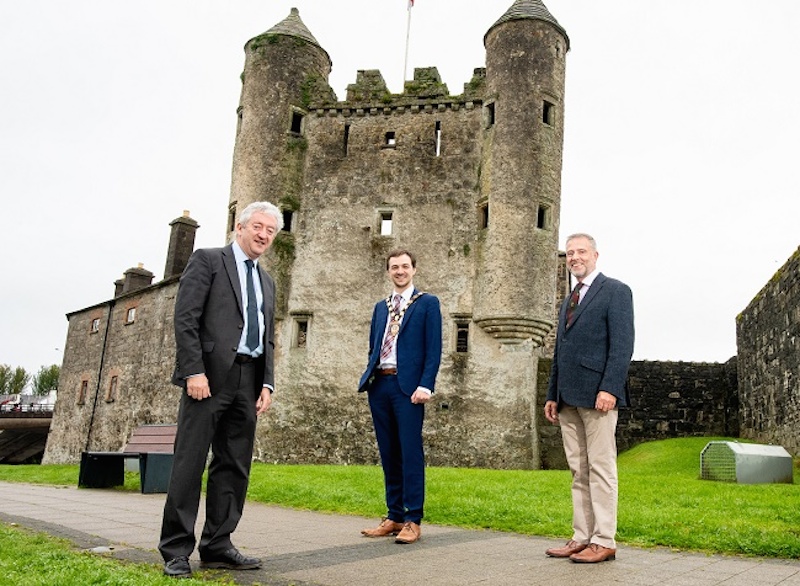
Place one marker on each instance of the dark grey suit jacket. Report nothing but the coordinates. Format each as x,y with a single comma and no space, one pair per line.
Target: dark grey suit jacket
593,354
209,318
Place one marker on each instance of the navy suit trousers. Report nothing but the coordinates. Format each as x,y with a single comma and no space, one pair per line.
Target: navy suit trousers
398,428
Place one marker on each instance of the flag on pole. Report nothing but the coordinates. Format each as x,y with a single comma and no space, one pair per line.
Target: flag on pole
410,4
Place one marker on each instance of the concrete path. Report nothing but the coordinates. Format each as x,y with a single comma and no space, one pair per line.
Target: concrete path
304,548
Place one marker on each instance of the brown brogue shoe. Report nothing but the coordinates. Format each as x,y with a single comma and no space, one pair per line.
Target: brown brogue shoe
593,554
387,527
572,547
411,532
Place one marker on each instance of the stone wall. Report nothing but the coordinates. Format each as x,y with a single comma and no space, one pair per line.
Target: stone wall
768,342
115,374
669,400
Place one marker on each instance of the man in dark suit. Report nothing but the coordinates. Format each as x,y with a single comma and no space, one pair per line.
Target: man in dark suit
405,349
588,382
224,336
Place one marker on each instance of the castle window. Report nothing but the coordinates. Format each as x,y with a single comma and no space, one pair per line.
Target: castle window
95,327
301,333
543,217
386,223
232,217
483,215
82,392
488,115
111,393
346,138
130,315
438,138
239,113
548,113
390,140
462,337
287,220
297,122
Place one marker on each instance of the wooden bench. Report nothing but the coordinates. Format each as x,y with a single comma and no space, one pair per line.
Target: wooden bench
151,445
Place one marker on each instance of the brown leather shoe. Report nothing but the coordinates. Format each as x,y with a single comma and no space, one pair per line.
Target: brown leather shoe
387,527
410,533
566,551
593,554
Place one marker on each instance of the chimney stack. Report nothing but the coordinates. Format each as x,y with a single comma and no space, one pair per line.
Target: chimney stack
136,278
181,244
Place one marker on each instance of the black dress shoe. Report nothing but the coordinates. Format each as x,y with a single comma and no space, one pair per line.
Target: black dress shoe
178,567
230,560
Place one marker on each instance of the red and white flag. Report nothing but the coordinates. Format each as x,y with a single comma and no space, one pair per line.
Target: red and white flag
410,4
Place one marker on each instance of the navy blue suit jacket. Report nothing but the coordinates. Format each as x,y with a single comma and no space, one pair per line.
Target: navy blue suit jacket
419,344
594,353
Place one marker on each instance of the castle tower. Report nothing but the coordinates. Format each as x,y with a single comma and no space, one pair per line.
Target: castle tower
285,69
521,173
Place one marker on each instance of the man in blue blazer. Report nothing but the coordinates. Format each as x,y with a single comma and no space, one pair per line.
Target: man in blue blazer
588,382
405,349
224,336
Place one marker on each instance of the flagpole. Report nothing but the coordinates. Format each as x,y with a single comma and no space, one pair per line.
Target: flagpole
408,35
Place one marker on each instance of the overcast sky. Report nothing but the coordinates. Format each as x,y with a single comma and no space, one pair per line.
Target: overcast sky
680,157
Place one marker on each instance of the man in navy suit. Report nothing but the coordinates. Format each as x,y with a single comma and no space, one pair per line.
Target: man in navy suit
405,349
224,334
588,382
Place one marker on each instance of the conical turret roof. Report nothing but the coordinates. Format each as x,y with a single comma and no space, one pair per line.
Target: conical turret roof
529,10
294,27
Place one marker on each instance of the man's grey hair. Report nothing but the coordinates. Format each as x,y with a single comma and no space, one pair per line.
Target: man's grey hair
263,207
582,235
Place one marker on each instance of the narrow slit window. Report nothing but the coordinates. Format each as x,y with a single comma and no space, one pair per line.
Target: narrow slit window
462,337
483,216
543,218
82,392
488,113
386,223
95,327
111,394
438,138
287,220
301,333
130,315
232,217
297,123
391,139
346,138
548,113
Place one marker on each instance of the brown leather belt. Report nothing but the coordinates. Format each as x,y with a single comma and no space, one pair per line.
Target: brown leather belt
243,359
385,371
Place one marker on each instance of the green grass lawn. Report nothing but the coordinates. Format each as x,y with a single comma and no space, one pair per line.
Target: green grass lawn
28,558
662,500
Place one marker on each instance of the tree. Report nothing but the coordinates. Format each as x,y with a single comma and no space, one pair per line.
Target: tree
17,381
45,380
5,379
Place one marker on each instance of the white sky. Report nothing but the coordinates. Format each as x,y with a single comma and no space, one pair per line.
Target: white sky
682,124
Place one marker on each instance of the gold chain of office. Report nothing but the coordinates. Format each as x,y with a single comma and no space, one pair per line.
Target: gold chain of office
397,316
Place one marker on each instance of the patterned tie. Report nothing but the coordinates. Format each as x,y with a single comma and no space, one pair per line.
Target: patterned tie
574,299
252,309
388,340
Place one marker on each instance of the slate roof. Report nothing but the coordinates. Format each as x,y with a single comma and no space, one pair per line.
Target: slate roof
529,10
294,27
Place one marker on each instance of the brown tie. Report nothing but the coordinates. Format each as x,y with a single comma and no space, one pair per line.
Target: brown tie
574,299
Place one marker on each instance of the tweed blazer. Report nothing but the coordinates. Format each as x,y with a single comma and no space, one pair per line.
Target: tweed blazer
594,352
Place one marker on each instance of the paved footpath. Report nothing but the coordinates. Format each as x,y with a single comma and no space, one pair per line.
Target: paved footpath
304,548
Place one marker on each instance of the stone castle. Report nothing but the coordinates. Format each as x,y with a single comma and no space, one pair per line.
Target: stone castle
470,182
